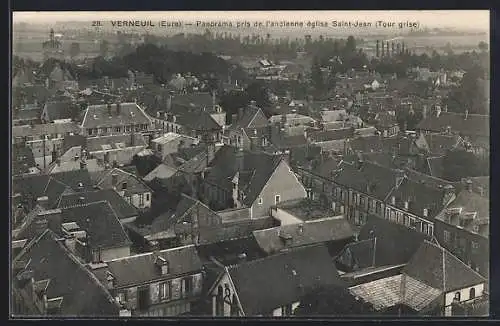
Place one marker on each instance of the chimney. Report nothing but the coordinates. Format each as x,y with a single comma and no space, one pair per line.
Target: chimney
210,152
239,159
400,174
169,101
468,185
54,154
393,200
174,118
214,99
118,107
466,114
359,162
438,111
158,114
426,212
114,179
43,202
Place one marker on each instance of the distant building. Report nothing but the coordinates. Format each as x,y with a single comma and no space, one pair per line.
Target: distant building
52,48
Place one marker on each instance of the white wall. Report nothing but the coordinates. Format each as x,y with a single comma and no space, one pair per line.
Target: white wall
113,253
284,217
464,294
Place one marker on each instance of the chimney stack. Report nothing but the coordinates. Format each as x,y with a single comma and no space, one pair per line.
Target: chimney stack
240,159
466,114
468,185
169,100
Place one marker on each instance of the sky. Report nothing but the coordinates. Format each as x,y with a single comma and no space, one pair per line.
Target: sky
459,19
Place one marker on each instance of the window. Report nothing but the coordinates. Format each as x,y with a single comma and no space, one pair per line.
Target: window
430,230
361,201
260,201
165,290
406,220
159,148
141,200
378,208
124,185
425,228
89,131
147,197
457,296
122,297
472,293
286,310
143,298
187,286
96,255
277,199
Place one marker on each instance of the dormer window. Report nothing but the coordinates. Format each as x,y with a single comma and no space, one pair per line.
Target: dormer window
110,280
124,185
162,265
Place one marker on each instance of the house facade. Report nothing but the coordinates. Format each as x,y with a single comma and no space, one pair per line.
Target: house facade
160,283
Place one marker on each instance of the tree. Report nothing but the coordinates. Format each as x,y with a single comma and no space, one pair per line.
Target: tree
350,45
332,301
74,50
317,75
462,164
483,46
103,48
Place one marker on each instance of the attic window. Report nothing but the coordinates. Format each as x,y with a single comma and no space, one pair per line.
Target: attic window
162,265
124,185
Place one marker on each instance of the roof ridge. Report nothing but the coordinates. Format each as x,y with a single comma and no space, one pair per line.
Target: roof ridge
118,220
149,253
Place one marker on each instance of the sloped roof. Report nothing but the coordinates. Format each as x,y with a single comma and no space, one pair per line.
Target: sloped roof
44,129
233,230
97,116
58,110
141,268
100,222
328,135
438,268
419,196
373,179
82,293
303,234
252,117
257,169
283,278
199,121
395,245
134,183
474,125
120,206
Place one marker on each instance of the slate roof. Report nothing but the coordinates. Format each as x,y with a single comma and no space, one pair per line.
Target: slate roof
474,125
372,179
56,110
134,183
481,185
328,135
44,129
26,114
303,234
22,160
100,222
82,293
438,268
283,278
469,202
95,143
233,230
52,186
257,169
438,144
252,117
120,206
96,116
396,244
427,179
419,196
141,268
306,209
227,252
198,121
435,165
